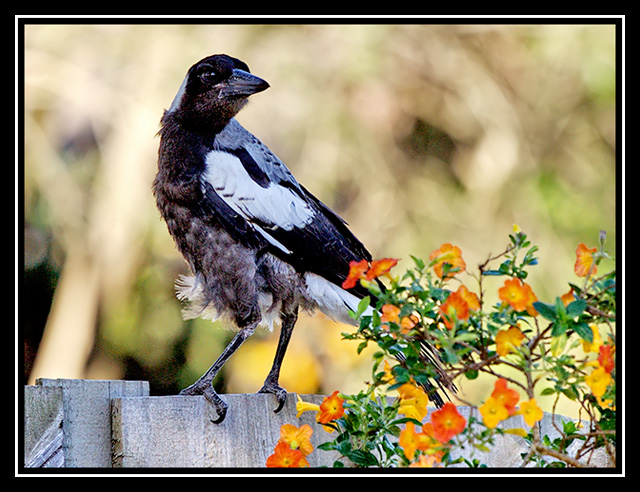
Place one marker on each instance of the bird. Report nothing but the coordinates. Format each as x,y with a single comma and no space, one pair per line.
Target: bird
260,247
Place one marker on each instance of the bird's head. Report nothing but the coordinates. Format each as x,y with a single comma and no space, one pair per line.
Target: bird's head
214,91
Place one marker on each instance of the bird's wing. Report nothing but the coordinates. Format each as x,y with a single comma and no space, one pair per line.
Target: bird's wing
249,181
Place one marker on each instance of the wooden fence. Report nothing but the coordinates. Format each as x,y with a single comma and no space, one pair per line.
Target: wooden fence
116,424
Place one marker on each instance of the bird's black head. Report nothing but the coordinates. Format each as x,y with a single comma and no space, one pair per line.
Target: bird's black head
214,91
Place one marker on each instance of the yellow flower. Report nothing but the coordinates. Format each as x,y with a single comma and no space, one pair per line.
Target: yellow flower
413,401
508,340
606,404
594,345
598,381
388,376
303,406
493,412
531,412
518,431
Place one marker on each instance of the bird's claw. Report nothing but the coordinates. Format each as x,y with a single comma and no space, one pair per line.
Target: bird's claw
211,396
276,390
218,404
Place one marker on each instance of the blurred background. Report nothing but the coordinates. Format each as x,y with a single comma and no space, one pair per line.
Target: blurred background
416,134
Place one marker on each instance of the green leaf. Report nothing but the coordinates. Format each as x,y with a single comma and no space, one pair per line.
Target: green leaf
576,308
363,458
471,374
449,356
363,305
584,331
326,446
558,329
419,263
570,393
546,310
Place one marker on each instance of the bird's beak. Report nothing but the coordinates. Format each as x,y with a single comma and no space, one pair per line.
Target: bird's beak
243,83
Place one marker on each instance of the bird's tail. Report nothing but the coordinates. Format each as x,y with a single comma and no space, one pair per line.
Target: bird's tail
336,303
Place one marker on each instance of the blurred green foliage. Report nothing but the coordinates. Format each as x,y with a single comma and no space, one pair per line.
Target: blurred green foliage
415,134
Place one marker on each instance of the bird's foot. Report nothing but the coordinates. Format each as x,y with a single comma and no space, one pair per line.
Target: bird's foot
275,389
205,389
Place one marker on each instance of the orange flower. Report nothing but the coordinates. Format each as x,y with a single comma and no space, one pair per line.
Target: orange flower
508,397
330,409
454,308
605,357
584,261
380,267
411,441
450,255
428,443
470,298
568,298
447,422
508,340
285,457
518,295
408,322
425,461
297,438
357,270
458,305
390,314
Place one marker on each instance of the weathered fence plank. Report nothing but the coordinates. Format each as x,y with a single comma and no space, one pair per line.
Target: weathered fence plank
43,427
177,431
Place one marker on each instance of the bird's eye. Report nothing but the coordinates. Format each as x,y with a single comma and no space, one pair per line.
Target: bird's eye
210,77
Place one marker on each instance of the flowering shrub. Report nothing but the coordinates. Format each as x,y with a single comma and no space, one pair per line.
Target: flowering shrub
562,349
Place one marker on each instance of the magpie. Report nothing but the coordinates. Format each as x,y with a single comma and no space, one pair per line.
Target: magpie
259,245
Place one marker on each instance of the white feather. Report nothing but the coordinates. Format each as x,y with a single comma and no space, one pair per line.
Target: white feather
332,300
189,290
275,205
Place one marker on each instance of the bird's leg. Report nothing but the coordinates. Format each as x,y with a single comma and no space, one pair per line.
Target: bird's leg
271,384
203,386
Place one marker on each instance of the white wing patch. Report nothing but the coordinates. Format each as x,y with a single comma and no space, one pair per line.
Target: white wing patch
274,206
